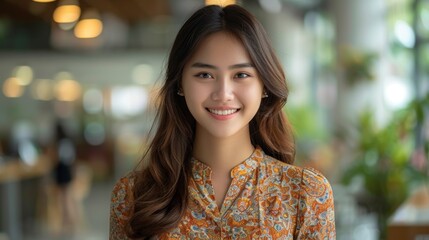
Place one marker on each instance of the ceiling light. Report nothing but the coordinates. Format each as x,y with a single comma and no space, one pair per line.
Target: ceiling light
44,1
90,26
220,2
68,11
24,75
12,88
66,88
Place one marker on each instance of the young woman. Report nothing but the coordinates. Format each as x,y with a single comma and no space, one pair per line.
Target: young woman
219,165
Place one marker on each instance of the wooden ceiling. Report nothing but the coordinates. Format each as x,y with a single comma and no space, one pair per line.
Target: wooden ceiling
130,11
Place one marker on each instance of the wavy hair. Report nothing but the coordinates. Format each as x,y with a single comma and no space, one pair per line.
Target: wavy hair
161,186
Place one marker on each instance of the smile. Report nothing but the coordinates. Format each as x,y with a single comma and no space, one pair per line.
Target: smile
223,112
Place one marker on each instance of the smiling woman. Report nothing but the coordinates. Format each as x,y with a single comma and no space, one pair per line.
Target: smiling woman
220,163
220,80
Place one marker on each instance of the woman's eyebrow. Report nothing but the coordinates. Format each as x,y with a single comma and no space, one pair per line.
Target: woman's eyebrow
205,65
242,65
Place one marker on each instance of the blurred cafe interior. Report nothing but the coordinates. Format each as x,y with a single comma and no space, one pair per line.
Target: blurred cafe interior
79,78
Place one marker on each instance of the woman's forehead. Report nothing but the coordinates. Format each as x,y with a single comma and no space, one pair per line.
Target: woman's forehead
220,48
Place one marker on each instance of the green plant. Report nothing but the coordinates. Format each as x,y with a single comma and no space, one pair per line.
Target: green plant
357,65
309,131
383,160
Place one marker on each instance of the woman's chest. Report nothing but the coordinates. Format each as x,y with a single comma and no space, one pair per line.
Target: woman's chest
250,217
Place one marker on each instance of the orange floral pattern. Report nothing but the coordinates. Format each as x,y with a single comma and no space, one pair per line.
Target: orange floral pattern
267,199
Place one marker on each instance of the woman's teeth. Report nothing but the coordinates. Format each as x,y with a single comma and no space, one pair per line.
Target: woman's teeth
223,112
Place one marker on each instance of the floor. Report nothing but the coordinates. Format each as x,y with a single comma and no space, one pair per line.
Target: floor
95,219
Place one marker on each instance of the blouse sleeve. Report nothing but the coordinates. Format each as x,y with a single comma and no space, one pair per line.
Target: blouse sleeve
120,206
316,218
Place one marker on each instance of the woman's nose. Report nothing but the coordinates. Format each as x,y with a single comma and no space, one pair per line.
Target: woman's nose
223,90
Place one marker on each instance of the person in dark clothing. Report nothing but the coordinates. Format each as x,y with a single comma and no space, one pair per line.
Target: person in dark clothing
65,154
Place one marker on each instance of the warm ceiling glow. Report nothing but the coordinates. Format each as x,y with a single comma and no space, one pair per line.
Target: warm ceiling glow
88,28
220,2
43,1
67,90
12,88
67,13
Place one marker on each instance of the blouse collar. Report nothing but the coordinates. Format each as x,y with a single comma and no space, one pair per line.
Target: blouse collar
202,170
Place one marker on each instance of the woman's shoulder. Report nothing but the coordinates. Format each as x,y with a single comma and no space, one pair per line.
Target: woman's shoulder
122,195
124,184
309,179
278,169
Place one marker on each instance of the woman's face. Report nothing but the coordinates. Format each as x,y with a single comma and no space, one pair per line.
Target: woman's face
221,86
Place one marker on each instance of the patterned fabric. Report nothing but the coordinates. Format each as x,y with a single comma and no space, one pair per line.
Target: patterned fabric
267,199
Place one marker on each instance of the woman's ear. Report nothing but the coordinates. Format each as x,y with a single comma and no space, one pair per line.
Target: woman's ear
264,94
180,92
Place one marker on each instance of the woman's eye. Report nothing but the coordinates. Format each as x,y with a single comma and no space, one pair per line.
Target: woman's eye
204,75
242,75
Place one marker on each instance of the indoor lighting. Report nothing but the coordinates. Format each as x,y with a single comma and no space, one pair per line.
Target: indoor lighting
66,88
397,93
121,98
12,88
90,26
222,3
68,11
44,1
24,75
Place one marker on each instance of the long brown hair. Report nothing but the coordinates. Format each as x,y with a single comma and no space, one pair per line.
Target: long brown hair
161,187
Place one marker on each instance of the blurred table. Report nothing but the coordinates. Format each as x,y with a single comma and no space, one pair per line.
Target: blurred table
408,232
12,173
16,170
411,220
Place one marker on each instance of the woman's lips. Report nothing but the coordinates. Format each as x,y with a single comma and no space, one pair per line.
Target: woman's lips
223,114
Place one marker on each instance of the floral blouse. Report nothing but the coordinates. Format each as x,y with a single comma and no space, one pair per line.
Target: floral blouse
267,199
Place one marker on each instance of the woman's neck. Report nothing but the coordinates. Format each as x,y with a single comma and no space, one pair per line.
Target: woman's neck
222,154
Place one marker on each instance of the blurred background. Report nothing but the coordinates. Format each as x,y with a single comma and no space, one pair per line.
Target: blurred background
78,79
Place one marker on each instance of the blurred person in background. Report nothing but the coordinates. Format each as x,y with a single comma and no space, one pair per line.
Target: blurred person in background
63,172
220,163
